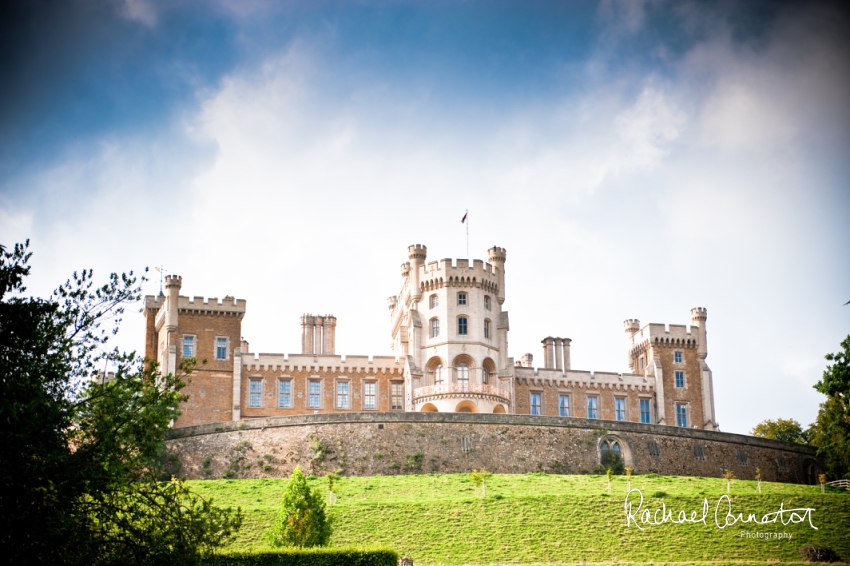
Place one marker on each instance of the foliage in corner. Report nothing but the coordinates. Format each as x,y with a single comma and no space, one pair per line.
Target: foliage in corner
831,431
80,453
787,430
302,521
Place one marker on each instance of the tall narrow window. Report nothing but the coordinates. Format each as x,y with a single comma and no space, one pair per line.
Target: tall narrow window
342,395
680,379
535,403
221,348
188,346
369,397
397,395
462,325
677,357
463,373
682,415
564,405
620,408
642,363
485,375
487,329
461,298
256,389
435,327
487,302
438,374
644,411
435,301
315,394
284,397
592,403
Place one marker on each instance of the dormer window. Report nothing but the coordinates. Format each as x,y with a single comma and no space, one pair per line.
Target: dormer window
461,298
487,302
435,301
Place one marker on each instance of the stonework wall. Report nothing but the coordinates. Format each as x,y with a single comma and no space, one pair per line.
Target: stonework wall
400,443
691,394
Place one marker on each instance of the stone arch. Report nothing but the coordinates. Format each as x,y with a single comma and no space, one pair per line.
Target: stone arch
488,371
428,408
615,443
499,409
435,371
466,406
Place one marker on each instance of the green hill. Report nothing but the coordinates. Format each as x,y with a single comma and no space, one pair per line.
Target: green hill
542,518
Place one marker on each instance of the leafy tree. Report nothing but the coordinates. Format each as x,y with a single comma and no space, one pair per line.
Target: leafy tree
302,520
788,430
79,454
831,431
479,478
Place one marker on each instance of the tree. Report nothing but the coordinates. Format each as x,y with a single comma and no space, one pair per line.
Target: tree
788,430
302,520
79,456
479,478
831,431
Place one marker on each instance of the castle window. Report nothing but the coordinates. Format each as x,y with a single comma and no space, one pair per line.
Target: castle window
642,363
592,406
188,346
435,301
462,327
256,388
677,357
535,403
461,298
653,448
644,411
221,348
564,405
342,395
620,408
435,327
397,394
487,302
485,375
315,397
682,415
369,395
463,373
699,453
616,448
438,374
680,379
487,329
284,396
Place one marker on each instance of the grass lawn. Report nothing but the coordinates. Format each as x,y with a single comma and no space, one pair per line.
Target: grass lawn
550,519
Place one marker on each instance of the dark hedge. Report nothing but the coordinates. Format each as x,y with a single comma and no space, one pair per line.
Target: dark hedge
308,557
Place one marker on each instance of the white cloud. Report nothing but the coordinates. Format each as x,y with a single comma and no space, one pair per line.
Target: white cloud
142,11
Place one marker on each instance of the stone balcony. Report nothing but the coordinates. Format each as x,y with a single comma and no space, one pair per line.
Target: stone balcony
460,390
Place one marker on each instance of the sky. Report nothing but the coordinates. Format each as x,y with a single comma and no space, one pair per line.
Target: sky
635,158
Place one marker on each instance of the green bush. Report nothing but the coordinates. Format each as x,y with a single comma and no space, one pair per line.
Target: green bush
302,521
308,557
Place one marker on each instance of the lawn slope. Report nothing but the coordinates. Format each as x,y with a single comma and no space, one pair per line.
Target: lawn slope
542,518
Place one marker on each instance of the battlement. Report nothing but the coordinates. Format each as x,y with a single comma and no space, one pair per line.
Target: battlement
631,325
497,255
417,251
665,333
321,363
228,305
449,267
173,281
699,314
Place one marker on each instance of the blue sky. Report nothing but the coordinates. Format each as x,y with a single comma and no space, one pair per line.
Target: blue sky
635,158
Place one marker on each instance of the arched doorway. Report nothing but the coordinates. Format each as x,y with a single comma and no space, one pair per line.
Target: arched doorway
466,407
499,409
428,408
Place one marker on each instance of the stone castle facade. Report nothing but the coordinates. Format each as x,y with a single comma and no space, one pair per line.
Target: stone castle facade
450,335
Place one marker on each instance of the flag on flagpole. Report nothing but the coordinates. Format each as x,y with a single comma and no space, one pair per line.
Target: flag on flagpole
462,220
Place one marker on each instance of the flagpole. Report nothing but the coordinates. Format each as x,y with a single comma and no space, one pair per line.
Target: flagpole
467,237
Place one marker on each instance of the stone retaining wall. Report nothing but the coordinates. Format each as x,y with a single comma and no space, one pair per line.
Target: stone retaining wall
406,443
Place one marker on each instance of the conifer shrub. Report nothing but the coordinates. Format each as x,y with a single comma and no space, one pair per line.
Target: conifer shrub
302,521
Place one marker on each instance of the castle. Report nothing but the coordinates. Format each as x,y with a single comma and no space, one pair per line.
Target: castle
450,335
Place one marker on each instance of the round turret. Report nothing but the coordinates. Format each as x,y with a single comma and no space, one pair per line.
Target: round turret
631,325
699,314
496,255
173,281
417,251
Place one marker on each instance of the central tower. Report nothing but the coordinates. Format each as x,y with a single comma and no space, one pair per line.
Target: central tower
448,323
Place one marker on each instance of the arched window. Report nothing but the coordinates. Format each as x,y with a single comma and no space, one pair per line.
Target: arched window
616,448
435,327
463,373
435,301
485,375
438,374
487,302
462,326
461,298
